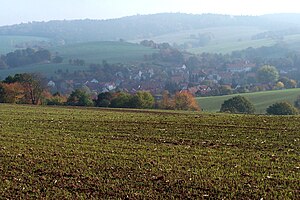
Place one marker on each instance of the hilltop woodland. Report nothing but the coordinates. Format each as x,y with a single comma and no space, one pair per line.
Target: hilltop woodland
144,26
28,56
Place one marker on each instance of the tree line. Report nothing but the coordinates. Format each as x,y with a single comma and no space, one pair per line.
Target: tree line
31,89
242,105
27,56
140,100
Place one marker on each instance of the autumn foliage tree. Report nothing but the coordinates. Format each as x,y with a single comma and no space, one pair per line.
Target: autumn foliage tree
184,100
22,88
33,87
166,101
54,100
11,93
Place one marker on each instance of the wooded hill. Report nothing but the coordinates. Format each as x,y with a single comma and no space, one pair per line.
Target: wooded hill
147,26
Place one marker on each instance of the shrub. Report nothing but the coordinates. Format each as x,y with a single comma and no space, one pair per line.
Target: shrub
142,100
297,103
121,100
79,98
238,104
282,108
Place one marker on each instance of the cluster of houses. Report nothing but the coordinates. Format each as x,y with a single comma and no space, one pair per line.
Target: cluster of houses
154,79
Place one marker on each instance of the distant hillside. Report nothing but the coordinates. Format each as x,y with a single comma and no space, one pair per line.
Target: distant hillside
134,27
96,52
285,18
9,43
90,52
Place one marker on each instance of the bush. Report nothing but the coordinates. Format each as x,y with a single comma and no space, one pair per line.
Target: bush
104,99
121,100
282,108
142,100
79,98
56,100
238,104
297,103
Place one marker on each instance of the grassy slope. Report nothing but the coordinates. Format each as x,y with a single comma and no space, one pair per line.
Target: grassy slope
8,43
116,154
227,39
228,46
96,52
261,100
45,69
220,34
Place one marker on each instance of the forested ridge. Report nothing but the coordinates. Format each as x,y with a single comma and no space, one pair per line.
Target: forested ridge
139,26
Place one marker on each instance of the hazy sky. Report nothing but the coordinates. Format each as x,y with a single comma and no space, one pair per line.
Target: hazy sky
17,11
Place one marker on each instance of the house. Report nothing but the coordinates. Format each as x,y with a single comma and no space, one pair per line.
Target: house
199,89
193,90
196,76
177,79
203,89
239,67
214,77
226,77
110,86
94,81
51,84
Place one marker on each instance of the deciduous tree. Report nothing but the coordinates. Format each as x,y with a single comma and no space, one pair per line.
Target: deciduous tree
79,98
142,100
238,104
267,74
185,101
282,108
33,85
11,93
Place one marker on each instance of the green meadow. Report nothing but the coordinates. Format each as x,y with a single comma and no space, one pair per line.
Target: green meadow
112,52
8,43
260,100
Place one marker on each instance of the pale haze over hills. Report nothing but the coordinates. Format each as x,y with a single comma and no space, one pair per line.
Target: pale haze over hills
20,11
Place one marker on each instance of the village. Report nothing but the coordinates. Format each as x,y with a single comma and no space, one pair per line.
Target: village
239,77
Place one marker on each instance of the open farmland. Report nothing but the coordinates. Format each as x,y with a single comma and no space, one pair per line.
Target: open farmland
226,39
260,100
93,52
47,70
72,153
8,43
112,52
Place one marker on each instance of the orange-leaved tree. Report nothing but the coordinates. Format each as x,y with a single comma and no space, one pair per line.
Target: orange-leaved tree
184,100
11,92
